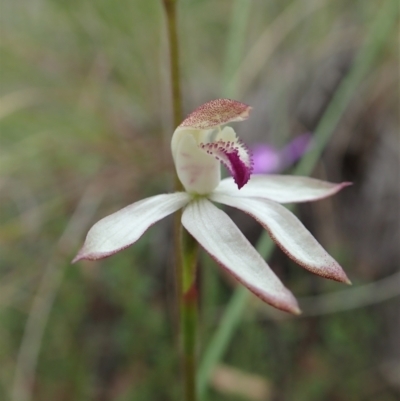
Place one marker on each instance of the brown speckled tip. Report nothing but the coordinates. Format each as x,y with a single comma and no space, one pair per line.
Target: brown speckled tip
296,311
93,256
215,113
286,303
75,259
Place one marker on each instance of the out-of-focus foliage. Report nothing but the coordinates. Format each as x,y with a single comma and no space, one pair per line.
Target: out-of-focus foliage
85,129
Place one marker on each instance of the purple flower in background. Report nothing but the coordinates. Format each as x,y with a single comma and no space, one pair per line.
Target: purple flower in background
268,159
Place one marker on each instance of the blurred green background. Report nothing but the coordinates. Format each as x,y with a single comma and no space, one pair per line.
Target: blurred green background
85,119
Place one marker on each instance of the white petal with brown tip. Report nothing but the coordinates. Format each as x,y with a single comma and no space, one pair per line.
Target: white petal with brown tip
282,188
223,240
121,229
289,233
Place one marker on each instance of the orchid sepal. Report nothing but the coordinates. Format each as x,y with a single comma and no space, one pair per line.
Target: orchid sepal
225,243
124,227
286,230
216,113
282,188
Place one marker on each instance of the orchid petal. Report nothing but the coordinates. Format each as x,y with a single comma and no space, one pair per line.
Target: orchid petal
281,188
216,112
222,239
289,233
123,228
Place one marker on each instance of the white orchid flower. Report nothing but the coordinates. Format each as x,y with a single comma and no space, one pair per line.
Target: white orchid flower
199,145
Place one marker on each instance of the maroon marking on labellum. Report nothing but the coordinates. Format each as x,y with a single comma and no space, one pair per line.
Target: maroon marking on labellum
228,154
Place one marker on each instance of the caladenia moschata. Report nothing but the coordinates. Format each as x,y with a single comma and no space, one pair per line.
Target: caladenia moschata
199,145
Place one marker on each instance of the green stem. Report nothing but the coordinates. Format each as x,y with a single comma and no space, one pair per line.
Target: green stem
170,10
189,331
188,315
186,248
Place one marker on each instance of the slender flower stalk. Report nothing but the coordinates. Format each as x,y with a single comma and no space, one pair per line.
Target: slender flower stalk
185,247
189,315
171,14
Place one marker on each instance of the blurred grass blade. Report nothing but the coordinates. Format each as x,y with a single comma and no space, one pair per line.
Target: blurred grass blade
271,38
383,25
235,43
31,342
362,64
